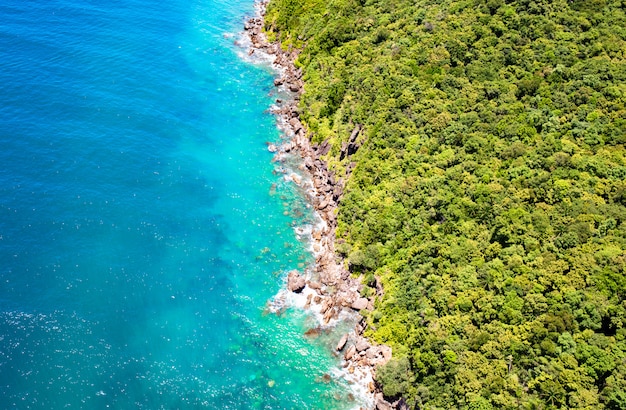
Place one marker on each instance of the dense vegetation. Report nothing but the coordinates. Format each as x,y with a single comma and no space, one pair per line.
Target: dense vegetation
489,193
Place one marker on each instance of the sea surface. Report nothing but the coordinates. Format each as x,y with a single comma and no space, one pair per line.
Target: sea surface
143,225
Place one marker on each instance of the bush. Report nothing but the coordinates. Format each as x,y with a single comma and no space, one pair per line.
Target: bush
395,377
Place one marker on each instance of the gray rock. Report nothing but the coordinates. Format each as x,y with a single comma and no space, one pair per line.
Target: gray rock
355,133
324,148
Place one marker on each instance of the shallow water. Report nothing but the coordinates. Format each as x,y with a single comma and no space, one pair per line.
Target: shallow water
140,233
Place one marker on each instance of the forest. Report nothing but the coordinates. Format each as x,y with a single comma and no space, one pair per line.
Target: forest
486,193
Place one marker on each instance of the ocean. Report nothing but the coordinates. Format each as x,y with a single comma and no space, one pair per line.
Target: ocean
143,226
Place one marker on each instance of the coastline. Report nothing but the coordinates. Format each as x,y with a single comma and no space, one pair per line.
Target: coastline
327,289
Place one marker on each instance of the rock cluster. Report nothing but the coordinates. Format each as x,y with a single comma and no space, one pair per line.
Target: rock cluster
333,289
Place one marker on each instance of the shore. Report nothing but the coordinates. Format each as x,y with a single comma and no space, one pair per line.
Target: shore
327,289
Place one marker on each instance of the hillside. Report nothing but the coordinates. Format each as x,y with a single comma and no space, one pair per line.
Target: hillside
484,189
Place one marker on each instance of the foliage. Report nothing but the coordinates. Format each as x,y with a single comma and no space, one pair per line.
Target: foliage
396,377
489,192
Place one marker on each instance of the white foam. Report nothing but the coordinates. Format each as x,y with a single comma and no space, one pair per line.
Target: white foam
291,167
359,381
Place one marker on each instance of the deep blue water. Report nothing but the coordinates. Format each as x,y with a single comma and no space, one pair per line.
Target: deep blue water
140,237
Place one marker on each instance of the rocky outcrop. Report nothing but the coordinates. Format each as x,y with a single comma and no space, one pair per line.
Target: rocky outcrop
360,304
333,289
349,148
362,345
381,403
350,353
295,282
342,342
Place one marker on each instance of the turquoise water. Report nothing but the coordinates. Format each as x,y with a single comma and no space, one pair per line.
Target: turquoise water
140,233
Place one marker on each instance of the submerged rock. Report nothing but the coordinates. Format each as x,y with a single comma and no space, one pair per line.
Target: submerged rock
314,332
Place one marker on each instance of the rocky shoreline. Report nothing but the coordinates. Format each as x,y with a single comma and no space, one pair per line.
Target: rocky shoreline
328,287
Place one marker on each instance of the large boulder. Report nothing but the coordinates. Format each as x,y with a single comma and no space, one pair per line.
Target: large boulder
350,352
324,203
342,342
372,352
381,403
360,304
362,344
295,282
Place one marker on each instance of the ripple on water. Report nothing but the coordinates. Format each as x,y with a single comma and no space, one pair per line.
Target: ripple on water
141,236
